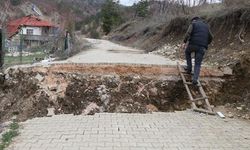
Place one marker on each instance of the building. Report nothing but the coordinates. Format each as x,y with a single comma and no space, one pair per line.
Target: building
32,30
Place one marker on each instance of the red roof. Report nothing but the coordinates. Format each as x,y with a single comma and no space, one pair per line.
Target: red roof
31,21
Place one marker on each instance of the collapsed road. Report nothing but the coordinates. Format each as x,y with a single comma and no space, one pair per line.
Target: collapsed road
86,88
126,101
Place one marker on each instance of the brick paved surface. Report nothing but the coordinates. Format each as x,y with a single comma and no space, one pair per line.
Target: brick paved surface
159,131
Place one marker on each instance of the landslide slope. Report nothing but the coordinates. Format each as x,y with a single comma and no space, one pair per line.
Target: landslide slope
229,26
55,10
230,48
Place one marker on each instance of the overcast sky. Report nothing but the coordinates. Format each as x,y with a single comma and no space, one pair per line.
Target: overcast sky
128,2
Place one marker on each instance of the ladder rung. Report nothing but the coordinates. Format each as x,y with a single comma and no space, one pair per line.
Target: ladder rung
188,83
201,98
201,90
185,73
204,111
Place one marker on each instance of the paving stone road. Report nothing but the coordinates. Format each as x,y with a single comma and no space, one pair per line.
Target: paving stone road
158,131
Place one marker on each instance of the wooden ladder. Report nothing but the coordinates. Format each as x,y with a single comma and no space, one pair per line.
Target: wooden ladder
204,97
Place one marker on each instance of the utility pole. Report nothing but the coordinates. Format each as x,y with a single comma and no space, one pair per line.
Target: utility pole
21,45
2,45
67,46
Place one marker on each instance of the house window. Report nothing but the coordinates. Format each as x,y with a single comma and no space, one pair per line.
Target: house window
29,31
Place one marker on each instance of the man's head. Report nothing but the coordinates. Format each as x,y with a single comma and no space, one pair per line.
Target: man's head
195,18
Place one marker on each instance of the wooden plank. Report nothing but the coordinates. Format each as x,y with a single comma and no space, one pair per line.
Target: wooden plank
204,95
201,98
188,83
202,92
204,111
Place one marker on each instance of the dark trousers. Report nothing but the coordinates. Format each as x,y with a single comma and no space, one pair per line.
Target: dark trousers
199,53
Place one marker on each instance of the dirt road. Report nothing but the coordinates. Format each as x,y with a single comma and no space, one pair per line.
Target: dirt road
103,51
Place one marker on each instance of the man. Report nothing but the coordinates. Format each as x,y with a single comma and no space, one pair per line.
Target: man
197,39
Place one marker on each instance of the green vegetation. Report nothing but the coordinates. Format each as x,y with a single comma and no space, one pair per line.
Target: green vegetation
15,2
14,126
142,8
237,3
110,16
11,60
94,34
90,26
8,136
70,27
1,146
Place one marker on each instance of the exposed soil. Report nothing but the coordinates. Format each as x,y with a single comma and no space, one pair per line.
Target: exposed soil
236,91
152,70
230,28
230,48
21,96
87,89
127,94
29,92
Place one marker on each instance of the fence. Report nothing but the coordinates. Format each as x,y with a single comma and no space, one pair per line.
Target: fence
28,49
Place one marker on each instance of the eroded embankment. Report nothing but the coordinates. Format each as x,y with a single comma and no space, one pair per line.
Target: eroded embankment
86,89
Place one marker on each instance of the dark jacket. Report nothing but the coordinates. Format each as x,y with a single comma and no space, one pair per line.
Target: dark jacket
199,34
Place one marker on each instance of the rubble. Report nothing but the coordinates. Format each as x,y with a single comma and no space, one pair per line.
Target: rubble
151,108
239,108
168,51
45,93
247,117
51,112
39,77
227,71
230,115
91,109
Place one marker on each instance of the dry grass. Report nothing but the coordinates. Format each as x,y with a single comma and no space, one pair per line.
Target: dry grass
236,3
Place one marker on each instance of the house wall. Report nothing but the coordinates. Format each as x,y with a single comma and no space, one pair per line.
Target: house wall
40,35
14,44
36,30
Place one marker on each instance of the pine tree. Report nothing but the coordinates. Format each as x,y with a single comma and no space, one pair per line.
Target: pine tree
15,2
142,8
110,16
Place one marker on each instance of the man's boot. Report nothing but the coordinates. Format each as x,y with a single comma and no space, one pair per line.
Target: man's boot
195,83
187,70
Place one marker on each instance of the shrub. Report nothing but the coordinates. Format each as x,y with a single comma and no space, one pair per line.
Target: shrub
235,3
142,8
94,34
15,2
111,16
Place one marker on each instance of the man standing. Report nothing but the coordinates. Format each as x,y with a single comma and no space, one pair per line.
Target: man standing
197,39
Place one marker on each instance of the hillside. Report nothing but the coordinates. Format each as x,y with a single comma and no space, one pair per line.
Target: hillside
58,11
163,34
229,26
98,74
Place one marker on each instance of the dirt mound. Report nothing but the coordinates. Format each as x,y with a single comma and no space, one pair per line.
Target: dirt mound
236,92
244,65
20,96
125,94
